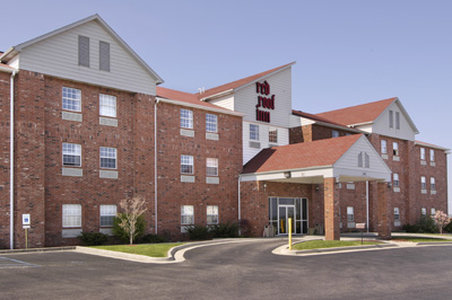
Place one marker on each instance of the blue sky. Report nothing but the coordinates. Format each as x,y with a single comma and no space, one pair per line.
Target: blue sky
347,52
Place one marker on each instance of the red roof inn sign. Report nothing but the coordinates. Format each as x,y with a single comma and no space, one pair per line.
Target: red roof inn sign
264,100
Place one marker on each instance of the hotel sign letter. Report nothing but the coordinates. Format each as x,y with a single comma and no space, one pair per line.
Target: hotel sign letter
264,100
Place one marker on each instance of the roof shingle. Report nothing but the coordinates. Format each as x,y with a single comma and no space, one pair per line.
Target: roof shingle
302,155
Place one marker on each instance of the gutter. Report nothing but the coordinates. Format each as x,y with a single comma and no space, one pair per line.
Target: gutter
157,100
202,107
11,162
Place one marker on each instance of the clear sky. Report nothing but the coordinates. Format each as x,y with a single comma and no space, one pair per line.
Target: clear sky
347,52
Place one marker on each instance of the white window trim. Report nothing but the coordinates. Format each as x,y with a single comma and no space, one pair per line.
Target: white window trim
104,97
182,215
212,215
272,130
191,160
384,149
106,214
63,153
188,118
257,139
210,122
79,100
211,163
63,215
100,158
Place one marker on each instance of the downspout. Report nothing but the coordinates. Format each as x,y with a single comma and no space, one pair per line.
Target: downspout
238,199
367,205
11,162
155,165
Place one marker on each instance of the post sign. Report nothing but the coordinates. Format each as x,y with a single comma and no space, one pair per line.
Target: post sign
360,225
26,222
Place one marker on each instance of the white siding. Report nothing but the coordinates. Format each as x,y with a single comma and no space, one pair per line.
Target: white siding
381,125
249,152
347,165
225,102
245,99
58,56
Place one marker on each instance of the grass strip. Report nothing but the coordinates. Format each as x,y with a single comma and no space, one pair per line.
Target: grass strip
419,239
153,250
320,244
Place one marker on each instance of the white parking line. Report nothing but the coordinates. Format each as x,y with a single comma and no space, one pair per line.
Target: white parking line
14,263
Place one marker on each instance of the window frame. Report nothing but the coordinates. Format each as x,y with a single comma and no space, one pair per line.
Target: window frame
396,214
106,98
102,59
211,163
211,121
432,212
64,210
107,149
384,147
391,119
254,134
423,211
217,216
183,215
395,149
71,154
423,183
422,153
273,135
396,180
66,92
81,61
186,121
432,183
432,155
107,214
352,219
334,133
191,164
397,120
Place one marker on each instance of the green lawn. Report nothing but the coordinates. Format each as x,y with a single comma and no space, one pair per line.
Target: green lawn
154,250
317,244
419,239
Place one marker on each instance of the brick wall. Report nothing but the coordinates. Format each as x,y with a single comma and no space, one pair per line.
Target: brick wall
172,193
4,159
313,132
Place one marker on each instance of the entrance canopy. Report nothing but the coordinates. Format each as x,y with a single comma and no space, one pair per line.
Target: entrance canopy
348,158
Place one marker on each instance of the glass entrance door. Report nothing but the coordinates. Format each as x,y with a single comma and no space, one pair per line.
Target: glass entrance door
284,213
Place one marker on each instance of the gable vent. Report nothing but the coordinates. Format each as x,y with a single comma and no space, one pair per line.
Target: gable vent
83,51
104,56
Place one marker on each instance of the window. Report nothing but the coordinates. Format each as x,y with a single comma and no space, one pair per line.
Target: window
423,211
186,164
273,135
107,105
335,133
187,215
104,56
72,155
384,147
211,123
432,184
397,120
108,158
396,215
423,183
83,51
350,214
422,153
395,149
212,167
254,132
391,119
72,99
186,118
396,181
432,155
107,214
212,214
72,215
433,212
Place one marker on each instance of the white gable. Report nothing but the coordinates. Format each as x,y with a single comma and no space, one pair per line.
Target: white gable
348,167
381,125
57,55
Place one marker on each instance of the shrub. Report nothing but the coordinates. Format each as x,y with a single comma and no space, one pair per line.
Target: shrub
152,238
245,227
448,228
93,238
227,230
122,234
425,225
198,233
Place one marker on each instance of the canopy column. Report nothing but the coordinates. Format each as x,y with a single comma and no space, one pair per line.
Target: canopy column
383,211
331,209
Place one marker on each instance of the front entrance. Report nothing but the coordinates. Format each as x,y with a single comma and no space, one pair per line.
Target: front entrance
283,208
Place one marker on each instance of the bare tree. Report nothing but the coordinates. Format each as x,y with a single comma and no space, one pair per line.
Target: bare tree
441,219
132,209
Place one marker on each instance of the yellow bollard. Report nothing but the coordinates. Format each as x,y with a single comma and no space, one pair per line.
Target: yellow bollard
290,233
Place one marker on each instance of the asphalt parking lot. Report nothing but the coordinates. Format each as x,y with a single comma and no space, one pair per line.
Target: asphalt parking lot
233,271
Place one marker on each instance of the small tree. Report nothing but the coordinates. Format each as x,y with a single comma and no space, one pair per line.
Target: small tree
132,209
441,219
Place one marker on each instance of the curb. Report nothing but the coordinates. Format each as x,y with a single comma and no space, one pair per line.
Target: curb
435,243
36,250
340,249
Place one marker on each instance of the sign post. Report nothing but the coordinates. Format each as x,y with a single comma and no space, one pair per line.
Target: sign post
361,226
26,222
290,233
